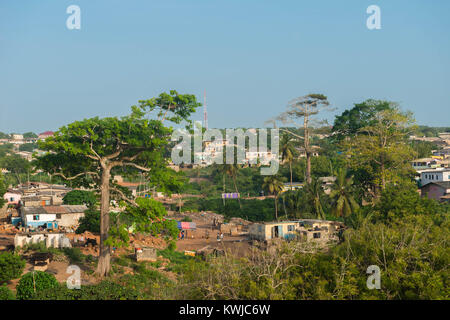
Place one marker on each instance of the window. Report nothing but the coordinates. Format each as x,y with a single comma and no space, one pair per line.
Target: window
11,199
58,216
35,217
260,229
316,235
291,228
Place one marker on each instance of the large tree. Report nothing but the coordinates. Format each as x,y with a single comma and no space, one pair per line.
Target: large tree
16,165
380,151
89,152
351,121
305,107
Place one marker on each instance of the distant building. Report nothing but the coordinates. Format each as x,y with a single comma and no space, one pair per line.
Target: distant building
45,135
63,216
303,230
13,196
439,191
295,186
437,175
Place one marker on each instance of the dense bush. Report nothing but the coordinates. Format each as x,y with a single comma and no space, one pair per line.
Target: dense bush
90,222
6,293
11,266
105,290
34,282
80,197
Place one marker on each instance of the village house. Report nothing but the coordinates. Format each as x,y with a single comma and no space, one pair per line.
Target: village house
439,191
295,186
437,175
45,135
13,196
52,217
303,230
424,164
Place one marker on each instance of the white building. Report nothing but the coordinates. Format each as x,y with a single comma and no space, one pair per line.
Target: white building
434,176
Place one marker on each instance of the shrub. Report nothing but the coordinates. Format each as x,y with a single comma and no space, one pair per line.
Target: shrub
74,254
11,266
33,282
172,246
105,290
6,293
90,222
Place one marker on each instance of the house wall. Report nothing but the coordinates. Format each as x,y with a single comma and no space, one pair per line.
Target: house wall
43,218
12,198
433,191
427,177
55,240
69,219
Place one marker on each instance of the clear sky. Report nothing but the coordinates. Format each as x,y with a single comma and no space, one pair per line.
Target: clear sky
251,57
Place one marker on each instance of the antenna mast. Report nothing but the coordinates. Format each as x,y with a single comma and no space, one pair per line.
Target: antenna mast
205,112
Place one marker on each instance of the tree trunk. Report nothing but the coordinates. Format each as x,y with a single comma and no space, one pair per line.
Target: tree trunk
235,187
290,169
223,177
276,208
307,151
104,261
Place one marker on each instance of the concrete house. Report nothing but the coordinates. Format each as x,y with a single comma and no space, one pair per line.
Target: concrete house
439,191
304,230
52,216
429,176
13,196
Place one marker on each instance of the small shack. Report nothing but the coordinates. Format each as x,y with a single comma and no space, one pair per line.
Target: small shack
145,254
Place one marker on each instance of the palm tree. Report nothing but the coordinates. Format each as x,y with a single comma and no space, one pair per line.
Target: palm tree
314,189
343,202
274,185
293,200
287,151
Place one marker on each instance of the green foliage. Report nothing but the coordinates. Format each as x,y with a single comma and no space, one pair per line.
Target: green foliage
16,165
80,197
11,266
401,200
3,189
90,222
33,282
29,147
149,217
343,203
74,254
105,290
27,135
6,293
351,121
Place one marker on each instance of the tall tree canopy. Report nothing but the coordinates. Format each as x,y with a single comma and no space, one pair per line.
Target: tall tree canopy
351,121
379,154
88,152
305,107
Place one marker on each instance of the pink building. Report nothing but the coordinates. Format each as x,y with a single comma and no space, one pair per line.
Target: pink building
13,197
45,135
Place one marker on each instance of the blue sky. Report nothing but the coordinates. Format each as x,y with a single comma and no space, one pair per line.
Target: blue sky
251,57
